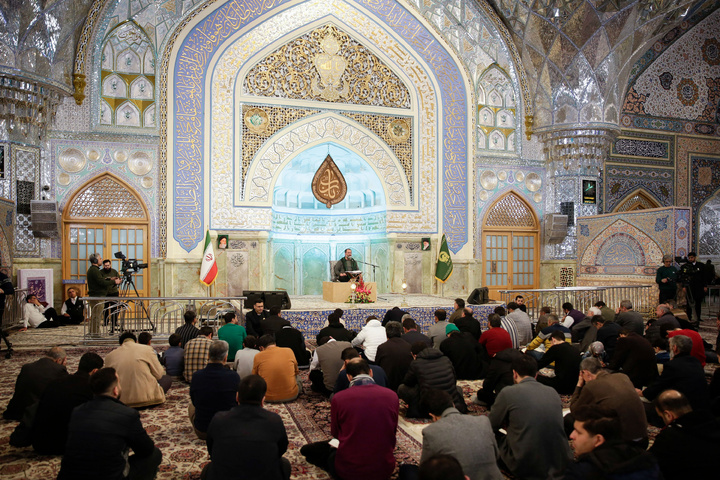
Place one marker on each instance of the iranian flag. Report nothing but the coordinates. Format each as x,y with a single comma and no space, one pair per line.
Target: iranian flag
209,268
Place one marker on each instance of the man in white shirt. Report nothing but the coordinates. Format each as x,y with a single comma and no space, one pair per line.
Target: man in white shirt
244,358
38,316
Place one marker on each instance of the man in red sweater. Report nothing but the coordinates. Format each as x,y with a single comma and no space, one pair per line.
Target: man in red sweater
496,339
363,423
698,347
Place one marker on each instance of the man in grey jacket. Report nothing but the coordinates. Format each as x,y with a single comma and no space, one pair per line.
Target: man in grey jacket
476,452
536,446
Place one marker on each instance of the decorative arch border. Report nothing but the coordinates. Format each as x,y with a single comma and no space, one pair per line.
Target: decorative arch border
92,181
206,36
653,252
296,138
621,206
521,197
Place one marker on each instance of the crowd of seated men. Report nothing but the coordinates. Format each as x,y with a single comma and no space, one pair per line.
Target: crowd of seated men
617,385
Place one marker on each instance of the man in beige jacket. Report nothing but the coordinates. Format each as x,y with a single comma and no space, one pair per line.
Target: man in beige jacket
141,375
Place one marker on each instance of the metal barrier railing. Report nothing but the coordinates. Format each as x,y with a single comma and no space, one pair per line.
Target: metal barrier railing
14,308
582,298
159,315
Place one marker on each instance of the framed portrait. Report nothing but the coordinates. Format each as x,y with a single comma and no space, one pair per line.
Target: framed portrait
222,242
425,244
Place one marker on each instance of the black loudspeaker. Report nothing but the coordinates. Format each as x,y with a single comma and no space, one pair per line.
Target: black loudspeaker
44,219
271,298
277,299
253,296
478,296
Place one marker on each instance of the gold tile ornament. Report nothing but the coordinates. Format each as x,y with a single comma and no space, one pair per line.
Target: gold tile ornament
256,120
398,131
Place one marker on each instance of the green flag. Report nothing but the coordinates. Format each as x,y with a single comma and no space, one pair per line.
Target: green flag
444,267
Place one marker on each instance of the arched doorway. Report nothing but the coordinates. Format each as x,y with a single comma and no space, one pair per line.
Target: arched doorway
105,216
510,240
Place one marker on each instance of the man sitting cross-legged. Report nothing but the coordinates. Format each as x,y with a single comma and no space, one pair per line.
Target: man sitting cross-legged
327,360
196,352
363,422
567,364
140,372
33,380
411,334
100,434
542,343
247,442
213,389
343,383
536,446
279,369
601,451
476,452
430,369
50,426
394,355
686,448
614,391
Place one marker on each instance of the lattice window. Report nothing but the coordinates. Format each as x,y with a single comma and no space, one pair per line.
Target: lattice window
510,211
567,277
637,201
106,198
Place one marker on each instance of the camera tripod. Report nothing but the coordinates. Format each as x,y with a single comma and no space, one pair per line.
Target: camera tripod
128,282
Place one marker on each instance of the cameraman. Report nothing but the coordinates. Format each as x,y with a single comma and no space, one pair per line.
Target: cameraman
97,287
110,312
694,277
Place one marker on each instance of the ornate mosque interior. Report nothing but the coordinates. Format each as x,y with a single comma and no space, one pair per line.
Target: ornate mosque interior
148,123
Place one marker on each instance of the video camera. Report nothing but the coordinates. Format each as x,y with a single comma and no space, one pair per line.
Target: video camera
129,266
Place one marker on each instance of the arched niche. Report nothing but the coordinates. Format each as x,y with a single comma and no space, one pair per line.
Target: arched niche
640,199
105,216
510,245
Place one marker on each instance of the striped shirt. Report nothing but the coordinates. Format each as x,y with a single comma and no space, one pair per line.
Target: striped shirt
509,326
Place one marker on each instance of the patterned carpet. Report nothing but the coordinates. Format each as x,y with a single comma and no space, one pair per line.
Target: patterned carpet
306,420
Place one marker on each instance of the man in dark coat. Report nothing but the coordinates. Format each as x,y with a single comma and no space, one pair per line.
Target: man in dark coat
601,451
292,338
665,319
687,446
468,323
336,330
33,380
247,442
629,318
50,425
101,432
394,355
684,374
274,322
635,357
255,318
395,314
430,369
694,276
567,364
499,376
411,334
465,353
607,334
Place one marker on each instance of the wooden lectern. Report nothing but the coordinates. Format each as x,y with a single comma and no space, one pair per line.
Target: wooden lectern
339,292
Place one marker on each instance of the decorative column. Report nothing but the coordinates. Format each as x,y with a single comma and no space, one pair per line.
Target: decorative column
575,159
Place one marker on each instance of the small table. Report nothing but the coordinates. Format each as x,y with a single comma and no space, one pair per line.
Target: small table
339,292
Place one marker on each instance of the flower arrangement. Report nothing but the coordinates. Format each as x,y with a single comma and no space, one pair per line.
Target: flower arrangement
362,294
